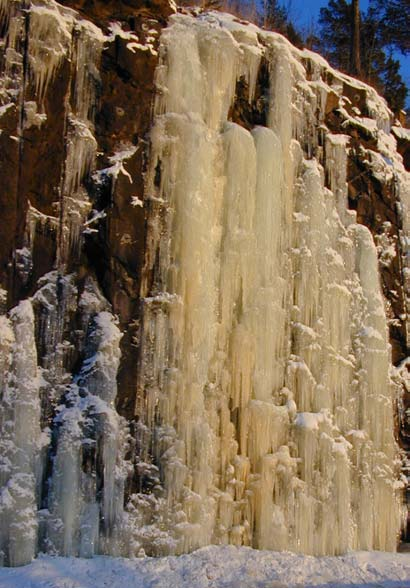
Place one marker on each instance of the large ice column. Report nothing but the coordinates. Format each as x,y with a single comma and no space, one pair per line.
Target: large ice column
375,409
87,483
204,323
20,444
255,377
328,370
227,364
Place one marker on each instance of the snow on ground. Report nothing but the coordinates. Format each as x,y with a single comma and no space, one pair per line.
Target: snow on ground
215,567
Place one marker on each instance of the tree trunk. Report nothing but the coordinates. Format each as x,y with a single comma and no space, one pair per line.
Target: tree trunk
355,65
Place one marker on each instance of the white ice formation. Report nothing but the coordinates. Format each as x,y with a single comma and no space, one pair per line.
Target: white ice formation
265,399
21,436
266,381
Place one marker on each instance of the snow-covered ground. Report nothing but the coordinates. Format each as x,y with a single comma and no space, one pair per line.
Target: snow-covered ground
215,567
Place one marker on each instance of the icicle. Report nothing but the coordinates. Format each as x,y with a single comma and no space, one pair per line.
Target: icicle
50,41
4,5
89,45
82,146
90,431
336,169
20,476
14,22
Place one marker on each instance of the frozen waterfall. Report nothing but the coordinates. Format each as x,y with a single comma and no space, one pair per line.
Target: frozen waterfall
266,381
265,400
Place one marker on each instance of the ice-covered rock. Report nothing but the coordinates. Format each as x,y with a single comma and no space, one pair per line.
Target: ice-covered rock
245,394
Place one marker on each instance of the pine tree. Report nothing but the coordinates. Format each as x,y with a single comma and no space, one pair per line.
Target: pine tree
334,35
355,60
395,90
395,23
376,67
277,18
274,16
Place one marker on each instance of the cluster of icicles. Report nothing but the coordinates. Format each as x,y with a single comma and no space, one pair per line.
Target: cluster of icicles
265,404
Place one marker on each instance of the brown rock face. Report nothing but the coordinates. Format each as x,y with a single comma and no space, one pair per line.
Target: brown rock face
74,144
132,11
124,118
403,144
35,162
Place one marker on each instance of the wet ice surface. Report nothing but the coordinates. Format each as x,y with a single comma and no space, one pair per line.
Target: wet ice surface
216,567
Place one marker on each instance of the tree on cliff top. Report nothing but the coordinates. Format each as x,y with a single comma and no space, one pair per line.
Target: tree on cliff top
355,60
274,15
367,55
277,18
395,23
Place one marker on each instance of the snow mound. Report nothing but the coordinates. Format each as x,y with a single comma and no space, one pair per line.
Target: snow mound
216,567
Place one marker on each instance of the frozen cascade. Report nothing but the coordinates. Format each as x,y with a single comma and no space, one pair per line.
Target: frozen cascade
20,437
50,42
264,396
265,367
90,436
55,36
91,439
82,146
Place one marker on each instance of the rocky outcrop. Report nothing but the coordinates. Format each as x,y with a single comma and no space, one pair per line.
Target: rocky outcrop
118,83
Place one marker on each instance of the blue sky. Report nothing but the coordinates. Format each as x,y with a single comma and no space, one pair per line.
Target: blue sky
306,11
